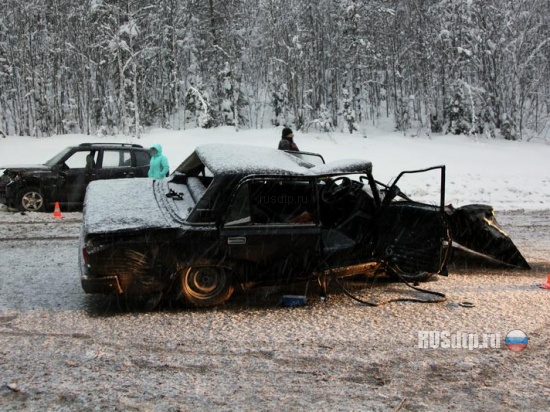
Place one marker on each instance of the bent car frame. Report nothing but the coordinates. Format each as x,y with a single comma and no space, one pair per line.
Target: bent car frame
243,216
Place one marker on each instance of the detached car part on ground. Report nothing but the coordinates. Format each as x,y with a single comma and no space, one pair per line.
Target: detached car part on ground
242,216
64,178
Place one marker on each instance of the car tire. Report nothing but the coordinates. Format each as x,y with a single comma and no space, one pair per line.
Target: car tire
205,286
31,199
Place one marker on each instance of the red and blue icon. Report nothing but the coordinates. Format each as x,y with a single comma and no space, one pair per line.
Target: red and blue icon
516,340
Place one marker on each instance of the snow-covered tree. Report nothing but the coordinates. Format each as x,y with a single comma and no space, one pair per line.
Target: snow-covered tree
117,66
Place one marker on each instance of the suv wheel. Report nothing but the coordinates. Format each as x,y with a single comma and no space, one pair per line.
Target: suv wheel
206,285
30,199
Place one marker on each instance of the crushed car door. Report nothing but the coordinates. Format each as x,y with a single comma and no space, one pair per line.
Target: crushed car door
272,225
413,237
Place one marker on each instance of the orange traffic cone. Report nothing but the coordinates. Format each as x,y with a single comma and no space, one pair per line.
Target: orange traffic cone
57,211
547,284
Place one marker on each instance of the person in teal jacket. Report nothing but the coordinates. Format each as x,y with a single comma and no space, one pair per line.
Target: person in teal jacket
158,165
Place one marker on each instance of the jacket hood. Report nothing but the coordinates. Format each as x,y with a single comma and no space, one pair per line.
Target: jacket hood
158,148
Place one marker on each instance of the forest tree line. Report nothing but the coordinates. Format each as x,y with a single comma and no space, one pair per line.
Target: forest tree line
106,66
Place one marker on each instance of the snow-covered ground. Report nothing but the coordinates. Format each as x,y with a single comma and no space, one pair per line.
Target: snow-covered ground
63,350
510,175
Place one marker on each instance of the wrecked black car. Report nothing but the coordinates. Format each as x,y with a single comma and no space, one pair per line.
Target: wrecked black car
242,216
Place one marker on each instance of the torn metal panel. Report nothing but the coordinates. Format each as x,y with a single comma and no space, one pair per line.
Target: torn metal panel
475,227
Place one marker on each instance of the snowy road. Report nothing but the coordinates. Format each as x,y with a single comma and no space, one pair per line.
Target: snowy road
39,256
39,262
63,350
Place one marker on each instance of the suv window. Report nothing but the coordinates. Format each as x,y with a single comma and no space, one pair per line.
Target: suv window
55,160
77,160
116,158
142,158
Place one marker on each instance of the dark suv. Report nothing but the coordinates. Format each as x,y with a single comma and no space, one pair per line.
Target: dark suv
64,177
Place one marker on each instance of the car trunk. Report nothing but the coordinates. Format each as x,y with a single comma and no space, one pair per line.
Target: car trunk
130,205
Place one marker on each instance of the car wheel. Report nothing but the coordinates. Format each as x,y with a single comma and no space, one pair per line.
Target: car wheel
206,285
30,199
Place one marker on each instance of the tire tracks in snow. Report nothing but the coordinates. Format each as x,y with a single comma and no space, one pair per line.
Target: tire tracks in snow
39,231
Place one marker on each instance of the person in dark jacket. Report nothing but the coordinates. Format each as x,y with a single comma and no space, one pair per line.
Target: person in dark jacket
287,140
158,165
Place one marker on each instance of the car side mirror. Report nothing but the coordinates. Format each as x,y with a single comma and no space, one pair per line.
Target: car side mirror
391,194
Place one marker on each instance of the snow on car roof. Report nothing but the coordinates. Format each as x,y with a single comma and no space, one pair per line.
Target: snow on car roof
231,159
343,166
126,204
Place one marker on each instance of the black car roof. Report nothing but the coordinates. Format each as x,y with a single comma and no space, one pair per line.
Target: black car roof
229,159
